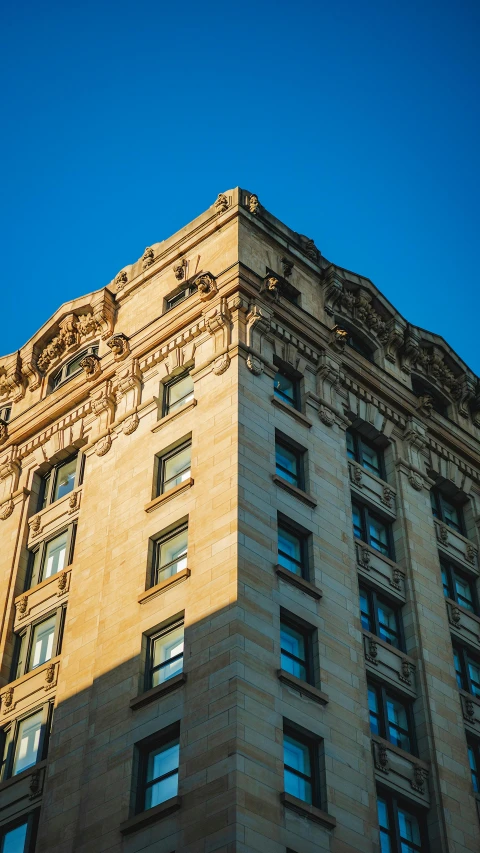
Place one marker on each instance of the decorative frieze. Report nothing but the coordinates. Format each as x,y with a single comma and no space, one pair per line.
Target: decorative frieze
400,771
456,546
221,203
392,666
464,624
375,491
119,346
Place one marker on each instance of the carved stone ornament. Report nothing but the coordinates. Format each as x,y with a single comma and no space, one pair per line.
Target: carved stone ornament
11,378
90,364
442,534
148,258
120,280
254,365
3,431
287,266
326,416
405,672
419,779
415,481
130,424
455,616
396,579
73,503
470,553
364,558
35,524
309,248
49,676
61,583
104,445
180,269
7,700
381,759
21,606
356,475
119,346
221,203
387,497
338,339
221,364
372,651
425,404
6,510
254,204
206,286
469,711
35,787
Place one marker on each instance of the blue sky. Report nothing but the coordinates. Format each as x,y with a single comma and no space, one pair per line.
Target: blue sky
356,123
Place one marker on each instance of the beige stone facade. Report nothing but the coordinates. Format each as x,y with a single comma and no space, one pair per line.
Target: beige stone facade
259,737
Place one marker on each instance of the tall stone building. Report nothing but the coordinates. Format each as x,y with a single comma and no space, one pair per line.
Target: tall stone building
239,498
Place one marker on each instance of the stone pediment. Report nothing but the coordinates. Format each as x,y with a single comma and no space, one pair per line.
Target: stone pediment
76,322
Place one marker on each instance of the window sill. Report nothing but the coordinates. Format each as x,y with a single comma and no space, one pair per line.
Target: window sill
163,586
170,417
166,496
302,686
308,811
284,407
158,691
19,777
305,586
297,493
139,821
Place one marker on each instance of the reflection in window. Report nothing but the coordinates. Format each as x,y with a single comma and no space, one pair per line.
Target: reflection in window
161,778
286,389
171,555
178,393
291,550
27,743
166,655
42,642
174,468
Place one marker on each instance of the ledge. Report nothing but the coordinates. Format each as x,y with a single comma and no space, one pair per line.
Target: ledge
297,493
158,691
308,811
305,586
139,821
12,780
163,585
294,413
166,496
167,418
302,687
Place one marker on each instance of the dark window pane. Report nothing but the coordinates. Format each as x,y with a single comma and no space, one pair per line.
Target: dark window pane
374,711
162,774
474,676
284,389
297,769
287,464
463,591
370,459
350,446
289,551
365,611
433,501
387,623
357,522
378,535
451,516
293,651
14,840
397,724
474,768
445,583
409,831
458,670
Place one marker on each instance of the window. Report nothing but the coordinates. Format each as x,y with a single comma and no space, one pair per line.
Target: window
286,388
159,760
19,837
170,554
380,618
356,344
365,454
60,481
179,296
38,643
72,368
390,717
289,461
474,761
174,467
5,414
292,550
299,765
401,831
446,511
458,587
370,528
177,393
296,647
467,670
25,742
51,556
165,655
438,403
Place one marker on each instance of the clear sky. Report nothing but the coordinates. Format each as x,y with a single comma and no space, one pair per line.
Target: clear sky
356,122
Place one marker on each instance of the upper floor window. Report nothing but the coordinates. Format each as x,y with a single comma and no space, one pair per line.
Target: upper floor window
445,510
363,452
467,670
299,765
5,413
159,762
73,367
38,643
390,717
19,836
358,345
401,831
179,296
430,397
289,461
371,529
170,554
51,556
458,587
296,647
474,761
292,549
60,480
165,655
174,467
287,389
380,617
25,742
177,392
